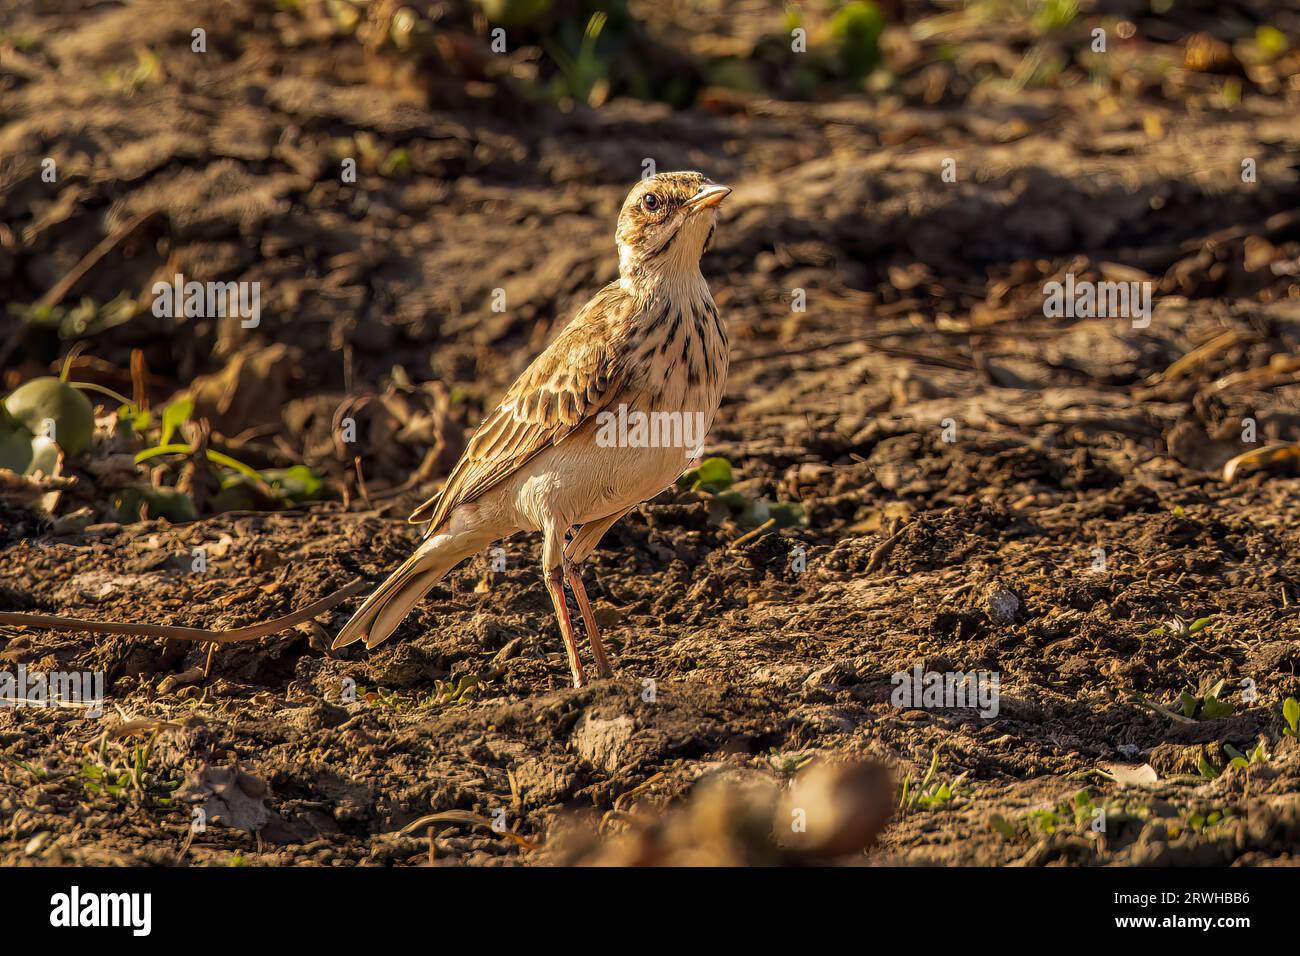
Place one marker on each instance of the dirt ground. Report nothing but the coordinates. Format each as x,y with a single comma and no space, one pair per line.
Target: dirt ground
985,488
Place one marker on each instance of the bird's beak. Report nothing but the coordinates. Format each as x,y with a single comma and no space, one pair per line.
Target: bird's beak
709,195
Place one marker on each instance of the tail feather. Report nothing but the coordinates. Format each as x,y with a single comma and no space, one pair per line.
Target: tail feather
386,608
399,605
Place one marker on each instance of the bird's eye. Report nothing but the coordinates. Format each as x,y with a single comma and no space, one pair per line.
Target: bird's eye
650,201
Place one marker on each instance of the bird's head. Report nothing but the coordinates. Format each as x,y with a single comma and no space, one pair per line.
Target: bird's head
666,224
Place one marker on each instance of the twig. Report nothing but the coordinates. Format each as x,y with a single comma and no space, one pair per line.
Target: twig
91,259
1143,701
139,379
361,481
924,358
1201,355
754,533
883,550
250,633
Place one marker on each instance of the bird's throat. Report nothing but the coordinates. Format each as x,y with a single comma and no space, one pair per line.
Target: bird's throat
672,266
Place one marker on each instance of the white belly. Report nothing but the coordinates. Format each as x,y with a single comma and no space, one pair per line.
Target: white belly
611,464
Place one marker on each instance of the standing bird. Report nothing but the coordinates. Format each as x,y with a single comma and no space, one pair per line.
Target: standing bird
649,343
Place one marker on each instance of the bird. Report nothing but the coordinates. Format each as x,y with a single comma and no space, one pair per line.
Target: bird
598,423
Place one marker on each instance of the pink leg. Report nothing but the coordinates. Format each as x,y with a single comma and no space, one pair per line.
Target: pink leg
574,577
555,585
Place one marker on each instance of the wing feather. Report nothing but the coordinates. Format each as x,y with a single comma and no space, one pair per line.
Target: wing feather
572,380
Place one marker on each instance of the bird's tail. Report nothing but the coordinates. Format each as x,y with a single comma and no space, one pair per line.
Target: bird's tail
388,606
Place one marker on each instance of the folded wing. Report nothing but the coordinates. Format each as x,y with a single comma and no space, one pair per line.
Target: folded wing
572,380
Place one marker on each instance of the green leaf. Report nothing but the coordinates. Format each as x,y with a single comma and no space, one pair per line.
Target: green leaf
1271,41
171,504
247,471
138,418
156,450
1188,703
293,484
715,472
1000,824
1291,711
1199,624
856,29
1046,820
1212,708
175,506
397,161
174,416
788,514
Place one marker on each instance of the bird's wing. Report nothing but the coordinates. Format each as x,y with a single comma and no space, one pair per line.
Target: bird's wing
572,380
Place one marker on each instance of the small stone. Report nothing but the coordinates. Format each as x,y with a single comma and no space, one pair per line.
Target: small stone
509,651
1003,605
603,742
35,843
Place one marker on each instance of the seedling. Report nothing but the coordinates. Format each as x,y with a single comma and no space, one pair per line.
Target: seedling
929,793
241,484
1197,822
1255,755
1076,813
125,773
1291,714
1211,770
712,480
1190,707
584,75
1182,627
453,692
788,763
444,694
396,163
1207,706
1207,767
382,700
36,772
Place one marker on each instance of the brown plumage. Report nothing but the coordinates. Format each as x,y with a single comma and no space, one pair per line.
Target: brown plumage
649,347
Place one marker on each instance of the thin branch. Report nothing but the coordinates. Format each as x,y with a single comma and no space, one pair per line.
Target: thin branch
250,633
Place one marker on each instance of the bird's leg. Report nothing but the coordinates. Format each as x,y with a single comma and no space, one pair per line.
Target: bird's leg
574,576
555,584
